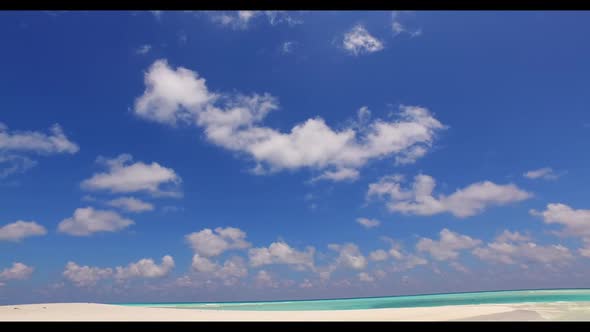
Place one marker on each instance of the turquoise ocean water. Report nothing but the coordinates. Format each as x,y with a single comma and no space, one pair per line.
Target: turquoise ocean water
431,300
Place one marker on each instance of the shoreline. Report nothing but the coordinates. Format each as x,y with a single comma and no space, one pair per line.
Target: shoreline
560,311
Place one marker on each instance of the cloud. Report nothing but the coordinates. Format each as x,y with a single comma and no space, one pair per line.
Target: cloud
448,246
209,243
514,248
378,255
288,47
545,173
143,49
464,202
264,279
19,230
282,253
365,277
15,164
32,141
398,27
85,276
87,221
349,256
232,121
359,41
230,272
575,222
145,268
125,177
368,223
131,204
18,271
241,19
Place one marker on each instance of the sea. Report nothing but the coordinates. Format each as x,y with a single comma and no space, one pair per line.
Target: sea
409,301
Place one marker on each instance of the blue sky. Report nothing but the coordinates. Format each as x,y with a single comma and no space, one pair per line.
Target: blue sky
216,156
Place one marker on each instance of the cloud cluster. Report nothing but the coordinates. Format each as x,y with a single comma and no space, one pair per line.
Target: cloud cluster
448,246
241,19
282,253
464,202
131,204
180,96
210,243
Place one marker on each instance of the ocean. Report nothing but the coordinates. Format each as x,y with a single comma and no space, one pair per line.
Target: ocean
429,300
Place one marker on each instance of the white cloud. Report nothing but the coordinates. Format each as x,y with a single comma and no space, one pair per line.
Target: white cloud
282,253
514,248
264,279
84,276
408,262
208,243
342,174
368,223
575,222
19,230
241,19
32,141
464,202
288,47
365,277
230,272
131,204
448,246
145,268
359,41
398,28
18,271
545,173
180,96
306,284
86,221
349,256
14,164
143,49
378,255
124,177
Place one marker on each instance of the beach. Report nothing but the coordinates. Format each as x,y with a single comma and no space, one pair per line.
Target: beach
551,311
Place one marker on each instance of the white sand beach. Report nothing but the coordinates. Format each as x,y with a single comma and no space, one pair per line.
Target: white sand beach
568,311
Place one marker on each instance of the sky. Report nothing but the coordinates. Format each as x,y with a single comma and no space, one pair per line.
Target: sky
156,156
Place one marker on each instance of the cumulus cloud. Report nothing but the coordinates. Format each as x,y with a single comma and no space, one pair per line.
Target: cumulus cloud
545,173
15,164
145,268
514,248
575,222
33,141
282,253
349,256
125,177
368,223
87,221
378,255
210,243
232,121
131,204
448,246
229,272
464,202
359,41
18,271
264,279
19,230
365,277
85,276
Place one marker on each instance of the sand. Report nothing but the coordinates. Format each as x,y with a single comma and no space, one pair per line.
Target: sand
488,312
